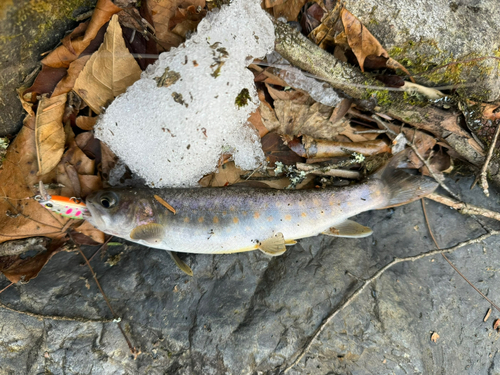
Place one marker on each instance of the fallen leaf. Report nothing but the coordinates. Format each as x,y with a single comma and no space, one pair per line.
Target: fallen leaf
109,71
88,230
186,20
298,96
86,122
66,84
434,337
341,28
49,132
25,217
289,9
304,119
276,150
18,269
256,120
162,11
350,132
55,64
227,174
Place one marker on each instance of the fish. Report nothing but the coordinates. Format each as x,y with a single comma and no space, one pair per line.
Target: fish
231,219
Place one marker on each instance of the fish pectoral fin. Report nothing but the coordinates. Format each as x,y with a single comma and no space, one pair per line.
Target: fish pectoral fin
350,229
180,263
152,233
273,246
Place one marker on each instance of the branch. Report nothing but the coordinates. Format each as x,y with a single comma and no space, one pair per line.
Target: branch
484,170
367,282
464,208
55,317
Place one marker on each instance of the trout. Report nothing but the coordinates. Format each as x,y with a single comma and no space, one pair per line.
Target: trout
230,220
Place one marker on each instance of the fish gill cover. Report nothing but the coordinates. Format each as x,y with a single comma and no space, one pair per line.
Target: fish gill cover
172,125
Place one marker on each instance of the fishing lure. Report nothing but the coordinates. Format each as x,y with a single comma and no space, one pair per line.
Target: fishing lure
73,208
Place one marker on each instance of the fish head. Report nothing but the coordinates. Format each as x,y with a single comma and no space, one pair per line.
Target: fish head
112,211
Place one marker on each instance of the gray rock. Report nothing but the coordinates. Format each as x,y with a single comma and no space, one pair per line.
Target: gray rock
249,314
28,29
425,34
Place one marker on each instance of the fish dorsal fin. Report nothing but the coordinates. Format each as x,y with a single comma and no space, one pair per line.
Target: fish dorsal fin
350,229
152,233
273,246
179,263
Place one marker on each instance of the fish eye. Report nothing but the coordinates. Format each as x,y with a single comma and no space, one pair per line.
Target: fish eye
49,205
109,200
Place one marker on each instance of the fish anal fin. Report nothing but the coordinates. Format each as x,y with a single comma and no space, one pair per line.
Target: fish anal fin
152,233
180,263
349,229
273,246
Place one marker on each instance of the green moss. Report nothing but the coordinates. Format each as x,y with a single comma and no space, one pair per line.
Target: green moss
243,98
382,97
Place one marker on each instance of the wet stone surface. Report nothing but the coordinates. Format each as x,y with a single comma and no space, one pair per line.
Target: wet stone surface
248,314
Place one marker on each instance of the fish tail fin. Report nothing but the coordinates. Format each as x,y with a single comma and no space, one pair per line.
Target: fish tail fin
403,187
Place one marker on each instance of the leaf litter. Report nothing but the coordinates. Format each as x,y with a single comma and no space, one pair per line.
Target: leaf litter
296,130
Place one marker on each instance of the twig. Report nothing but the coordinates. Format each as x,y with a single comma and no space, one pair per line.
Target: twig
464,208
374,277
99,249
484,170
116,319
55,317
426,163
7,287
450,263
376,131
331,170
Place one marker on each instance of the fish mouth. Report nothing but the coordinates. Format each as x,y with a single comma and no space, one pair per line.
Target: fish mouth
95,217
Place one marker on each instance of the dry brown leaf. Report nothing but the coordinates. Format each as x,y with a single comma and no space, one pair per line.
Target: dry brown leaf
303,119
268,116
61,57
49,132
349,132
275,150
86,122
162,12
186,20
88,230
298,96
109,71
359,38
66,84
289,9
227,174
23,269
434,337
342,29
25,217
108,161
256,120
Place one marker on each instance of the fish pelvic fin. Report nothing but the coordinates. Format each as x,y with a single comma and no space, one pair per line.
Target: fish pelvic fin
403,187
152,233
274,246
349,229
180,263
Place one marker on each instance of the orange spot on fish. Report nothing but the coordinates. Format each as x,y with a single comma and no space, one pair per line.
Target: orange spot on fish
288,217
303,214
224,213
256,215
186,219
316,201
236,220
215,219
244,213
201,219
269,218
232,208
